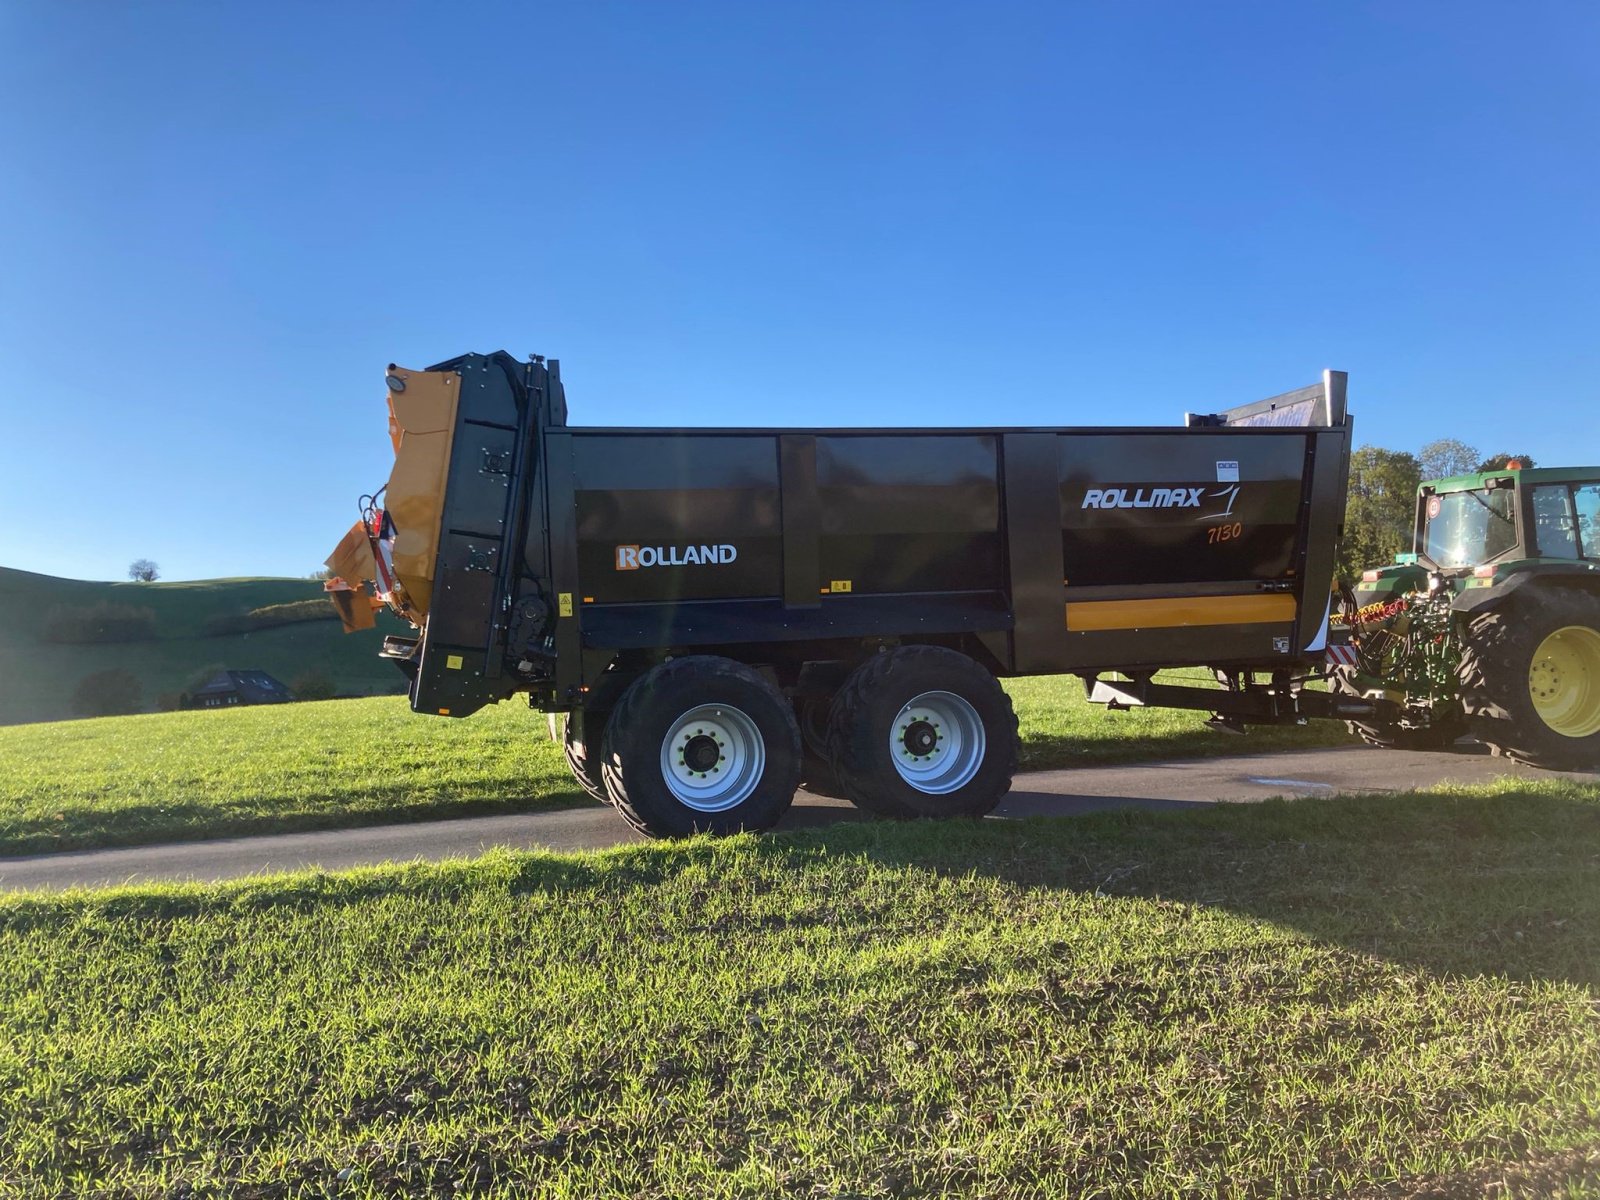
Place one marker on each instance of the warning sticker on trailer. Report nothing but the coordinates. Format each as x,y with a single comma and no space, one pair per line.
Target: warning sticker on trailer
1228,472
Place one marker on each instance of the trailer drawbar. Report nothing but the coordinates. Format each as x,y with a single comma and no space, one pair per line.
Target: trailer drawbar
724,614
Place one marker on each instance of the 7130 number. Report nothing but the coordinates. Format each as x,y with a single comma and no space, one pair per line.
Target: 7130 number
1223,533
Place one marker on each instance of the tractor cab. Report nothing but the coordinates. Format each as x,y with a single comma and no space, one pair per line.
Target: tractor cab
1477,531
1496,522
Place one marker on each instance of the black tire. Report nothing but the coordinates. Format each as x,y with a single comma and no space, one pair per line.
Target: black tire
1498,653
582,731
646,715
817,775
1387,735
863,714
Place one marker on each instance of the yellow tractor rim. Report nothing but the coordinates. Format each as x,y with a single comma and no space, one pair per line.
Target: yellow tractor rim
1564,681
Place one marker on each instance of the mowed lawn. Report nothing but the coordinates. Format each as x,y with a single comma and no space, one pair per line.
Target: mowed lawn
1371,997
172,776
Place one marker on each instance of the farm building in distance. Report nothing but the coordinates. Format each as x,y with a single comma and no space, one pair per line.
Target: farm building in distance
229,689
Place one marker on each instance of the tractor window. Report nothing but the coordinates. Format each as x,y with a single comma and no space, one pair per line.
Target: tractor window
1587,500
1467,528
1554,527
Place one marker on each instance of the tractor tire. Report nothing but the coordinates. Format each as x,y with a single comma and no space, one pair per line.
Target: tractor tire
817,775
585,767
923,731
701,745
1387,735
1530,678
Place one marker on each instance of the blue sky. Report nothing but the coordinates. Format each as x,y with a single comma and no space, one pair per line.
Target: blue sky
218,222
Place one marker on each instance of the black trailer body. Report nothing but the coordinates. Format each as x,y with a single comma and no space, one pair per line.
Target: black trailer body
571,560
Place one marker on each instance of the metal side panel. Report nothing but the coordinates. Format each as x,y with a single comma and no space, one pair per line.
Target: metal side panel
1324,507
1182,630
770,621
802,521
1260,644
918,512
459,639
561,499
1030,468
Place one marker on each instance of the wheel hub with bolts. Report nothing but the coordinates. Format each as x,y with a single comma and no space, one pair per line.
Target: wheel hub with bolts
701,753
936,742
1564,681
712,757
921,739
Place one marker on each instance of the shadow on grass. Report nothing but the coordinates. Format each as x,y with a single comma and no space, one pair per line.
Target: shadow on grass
1505,884
200,821
1468,884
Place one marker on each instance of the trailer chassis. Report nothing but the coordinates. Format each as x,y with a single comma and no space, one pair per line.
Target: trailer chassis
1284,700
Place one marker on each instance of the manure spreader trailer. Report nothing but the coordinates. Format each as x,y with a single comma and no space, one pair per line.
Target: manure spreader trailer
725,613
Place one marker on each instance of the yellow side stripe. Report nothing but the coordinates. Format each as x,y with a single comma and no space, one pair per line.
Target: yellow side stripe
1175,612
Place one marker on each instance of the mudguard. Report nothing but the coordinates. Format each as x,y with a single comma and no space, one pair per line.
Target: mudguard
1477,599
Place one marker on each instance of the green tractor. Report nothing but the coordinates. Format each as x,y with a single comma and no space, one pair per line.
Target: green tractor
1490,626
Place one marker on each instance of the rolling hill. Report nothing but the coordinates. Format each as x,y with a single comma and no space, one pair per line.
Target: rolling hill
37,676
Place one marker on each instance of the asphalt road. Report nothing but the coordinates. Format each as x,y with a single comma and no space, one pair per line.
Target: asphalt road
1173,784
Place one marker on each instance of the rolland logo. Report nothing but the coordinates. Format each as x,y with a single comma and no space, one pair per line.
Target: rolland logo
631,558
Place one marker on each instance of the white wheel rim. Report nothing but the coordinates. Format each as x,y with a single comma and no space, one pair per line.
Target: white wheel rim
712,758
936,743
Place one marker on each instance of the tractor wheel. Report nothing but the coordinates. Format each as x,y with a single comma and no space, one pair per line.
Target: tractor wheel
701,745
1388,735
1530,678
923,731
817,775
585,730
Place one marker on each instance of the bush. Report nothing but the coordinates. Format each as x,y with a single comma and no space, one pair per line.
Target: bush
113,693
314,685
319,609
99,623
271,616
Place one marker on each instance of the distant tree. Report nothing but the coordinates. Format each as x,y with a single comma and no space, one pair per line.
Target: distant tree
1446,457
142,570
111,693
1382,508
1498,462
321,573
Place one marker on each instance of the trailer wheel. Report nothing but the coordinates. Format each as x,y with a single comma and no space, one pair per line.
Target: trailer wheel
1388,735
923,731
1530,678
817,775
701,745
576,739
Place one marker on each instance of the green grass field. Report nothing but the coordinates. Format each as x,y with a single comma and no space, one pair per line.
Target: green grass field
170,776
1374,997
37,677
